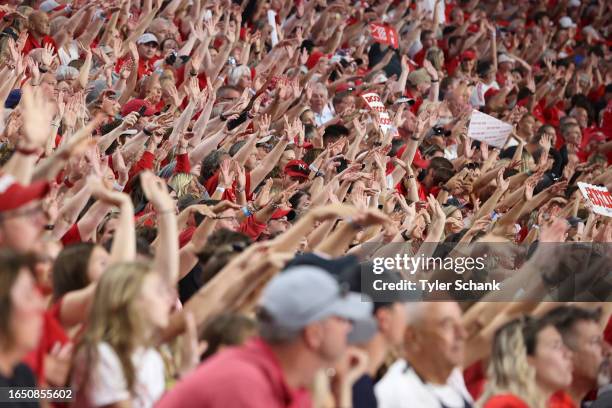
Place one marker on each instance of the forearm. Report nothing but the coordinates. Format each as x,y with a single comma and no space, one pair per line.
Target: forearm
105,141
268,163
124,240
243,154
167,251
338,241
70,212
489,205
84,72
181,123
204,148
21,167
91,32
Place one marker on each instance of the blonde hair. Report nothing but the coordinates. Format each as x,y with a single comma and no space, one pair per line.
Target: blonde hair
180,183
114,318
436,56
508,371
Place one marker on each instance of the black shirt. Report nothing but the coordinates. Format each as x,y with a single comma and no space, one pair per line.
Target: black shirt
363,393
22,377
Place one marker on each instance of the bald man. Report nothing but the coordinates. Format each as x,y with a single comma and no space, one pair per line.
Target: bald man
429,375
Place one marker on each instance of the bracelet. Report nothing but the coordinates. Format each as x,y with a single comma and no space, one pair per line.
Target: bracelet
26,152
416,139
147,132
53,124
435,80
239,190
246,212
319,174
445,188
405,236
312,167
410,176
49,227
220,189
118,187
193,73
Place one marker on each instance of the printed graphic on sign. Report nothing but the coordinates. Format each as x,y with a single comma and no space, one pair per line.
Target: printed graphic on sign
384,34
375,104
488,129
599,197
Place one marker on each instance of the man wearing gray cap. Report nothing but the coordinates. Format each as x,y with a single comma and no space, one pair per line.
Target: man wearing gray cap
304,320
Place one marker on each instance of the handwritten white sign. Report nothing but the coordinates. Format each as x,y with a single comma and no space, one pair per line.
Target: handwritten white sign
272,22
599,197
375,104
488,129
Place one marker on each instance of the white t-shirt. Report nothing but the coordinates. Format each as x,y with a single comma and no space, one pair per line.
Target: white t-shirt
402,388
326,115
477,99
107,384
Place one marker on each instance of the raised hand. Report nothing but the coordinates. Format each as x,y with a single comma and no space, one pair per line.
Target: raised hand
156,192
502,183
37,114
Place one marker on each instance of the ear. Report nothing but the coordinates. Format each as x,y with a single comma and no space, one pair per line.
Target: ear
411,338
313,335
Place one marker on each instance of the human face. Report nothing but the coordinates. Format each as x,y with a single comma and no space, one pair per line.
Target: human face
526,125
348,102
244,81
228,220
581,116
27,318
587,345
457,16
442,335
573,135
22,228
552,361
154,93
41,24
308,118
335,332
155,301
392,323
48,84
98,261
278,226
169,45
454,222
318,101
109,230
427,41
147,50
287,156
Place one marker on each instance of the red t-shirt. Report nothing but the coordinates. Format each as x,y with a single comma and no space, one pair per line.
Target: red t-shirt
31,43
53,333
245,376
505,401
229,194
561,400
72,236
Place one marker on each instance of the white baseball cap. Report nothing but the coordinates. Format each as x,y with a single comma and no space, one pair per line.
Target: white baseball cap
504,58
566,22
147,38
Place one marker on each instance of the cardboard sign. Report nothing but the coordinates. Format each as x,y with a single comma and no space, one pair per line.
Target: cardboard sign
375,104
599,197
488,129
384,34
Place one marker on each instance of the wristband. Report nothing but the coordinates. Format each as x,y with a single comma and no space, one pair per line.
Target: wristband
445,188
313,168
118,187
246,212
435,80
147,132
416,139
410,176
220,189
405,236
239,190
53,124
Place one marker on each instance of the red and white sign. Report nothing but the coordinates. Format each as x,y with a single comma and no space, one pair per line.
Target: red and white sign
384,34
375,104
488,129
599,197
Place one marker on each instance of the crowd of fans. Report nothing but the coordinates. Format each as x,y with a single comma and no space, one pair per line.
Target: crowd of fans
189,190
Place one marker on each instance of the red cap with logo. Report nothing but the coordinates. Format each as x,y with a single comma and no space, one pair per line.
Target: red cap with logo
297,169
14,195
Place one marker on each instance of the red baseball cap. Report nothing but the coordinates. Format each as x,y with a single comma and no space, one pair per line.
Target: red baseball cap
297,168
468,55
14,195
135,105
281,212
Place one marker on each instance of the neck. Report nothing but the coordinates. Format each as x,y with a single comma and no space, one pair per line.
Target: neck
429,371
298,364
8,360
546,390
377,349
579,388
37,36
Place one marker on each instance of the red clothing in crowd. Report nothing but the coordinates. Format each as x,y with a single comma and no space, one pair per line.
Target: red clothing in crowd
505,401
230,193
145,66
52,334
31,43
72,236
561,399
245,376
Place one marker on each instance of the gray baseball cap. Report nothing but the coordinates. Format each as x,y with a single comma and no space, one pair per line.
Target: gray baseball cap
305,294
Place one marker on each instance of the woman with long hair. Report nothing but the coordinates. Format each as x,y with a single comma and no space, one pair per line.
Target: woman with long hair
116,364
529,363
